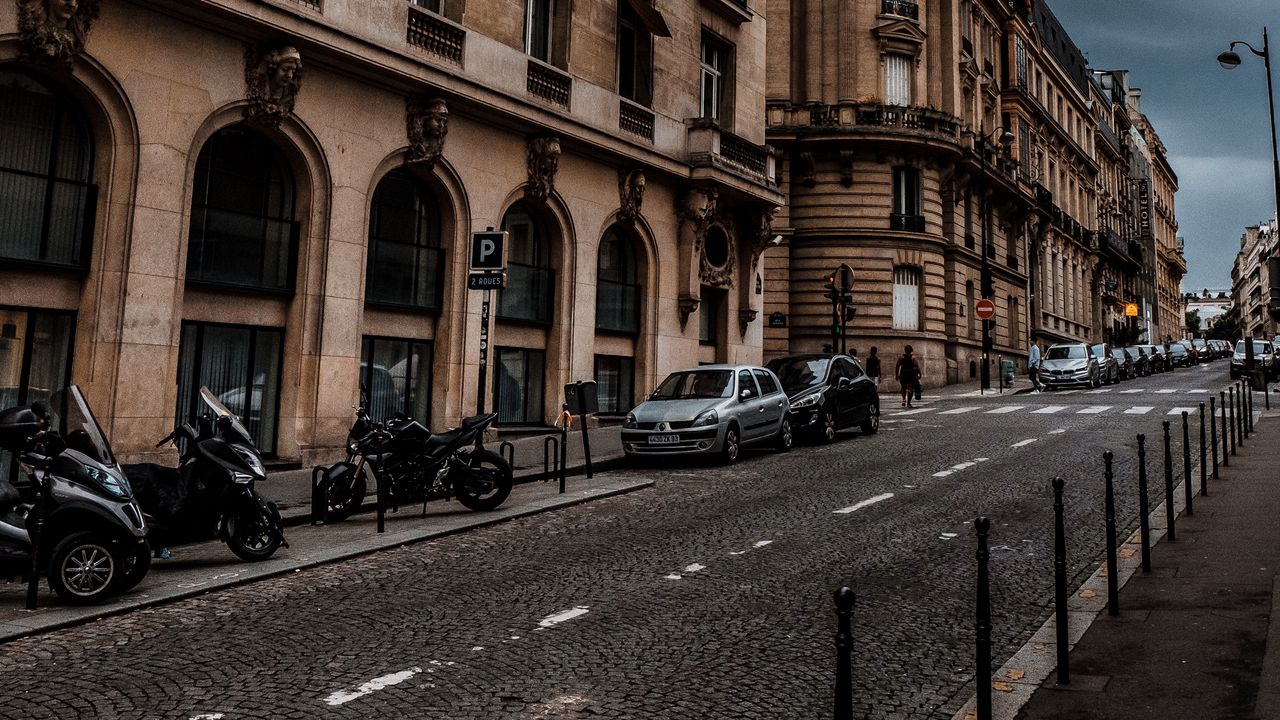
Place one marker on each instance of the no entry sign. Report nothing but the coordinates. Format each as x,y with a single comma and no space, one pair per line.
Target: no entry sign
985,309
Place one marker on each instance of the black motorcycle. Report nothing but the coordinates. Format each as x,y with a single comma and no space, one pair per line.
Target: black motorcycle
416,465
211,492
94,541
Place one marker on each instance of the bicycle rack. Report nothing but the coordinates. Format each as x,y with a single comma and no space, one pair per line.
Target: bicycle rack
550,457
508,453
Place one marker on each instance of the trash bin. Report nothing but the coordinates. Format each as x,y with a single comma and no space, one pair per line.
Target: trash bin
1006,372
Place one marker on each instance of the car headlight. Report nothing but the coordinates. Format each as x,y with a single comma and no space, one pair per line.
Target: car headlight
630,422
710,417
116,486
807,401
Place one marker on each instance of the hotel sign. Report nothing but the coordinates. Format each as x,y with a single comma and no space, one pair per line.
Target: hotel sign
1144,208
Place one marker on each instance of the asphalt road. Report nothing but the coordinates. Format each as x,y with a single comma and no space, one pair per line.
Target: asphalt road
708,596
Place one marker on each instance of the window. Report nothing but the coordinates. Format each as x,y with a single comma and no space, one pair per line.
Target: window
906,298
432,5
765,380
35,361
243,231
716,65
747,385
537,29
970,299
897,79
47,201
1020,61
241,366
395,376
906,190
517,386
635,56
617,292
529,294
709,315
405,265
1013,320
615,384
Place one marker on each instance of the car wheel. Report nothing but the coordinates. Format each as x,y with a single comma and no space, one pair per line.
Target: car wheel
785,438
732,446
829,427
871,425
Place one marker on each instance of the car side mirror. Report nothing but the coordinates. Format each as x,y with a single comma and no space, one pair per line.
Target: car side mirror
744,396
844,382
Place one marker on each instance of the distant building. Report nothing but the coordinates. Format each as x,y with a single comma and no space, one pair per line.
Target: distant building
1250,280
1209,304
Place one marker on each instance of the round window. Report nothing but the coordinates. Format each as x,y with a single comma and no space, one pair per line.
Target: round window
716,248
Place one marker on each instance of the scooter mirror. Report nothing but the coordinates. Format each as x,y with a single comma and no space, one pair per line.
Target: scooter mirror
38,409
49,443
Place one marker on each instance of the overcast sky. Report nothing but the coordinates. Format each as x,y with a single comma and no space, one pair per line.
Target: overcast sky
1213,121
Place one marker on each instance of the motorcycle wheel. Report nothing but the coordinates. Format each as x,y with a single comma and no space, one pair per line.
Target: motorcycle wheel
133,568
83,569
487,462
251,537
346,497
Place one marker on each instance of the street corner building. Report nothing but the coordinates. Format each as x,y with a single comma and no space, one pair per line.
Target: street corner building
953,151
273,198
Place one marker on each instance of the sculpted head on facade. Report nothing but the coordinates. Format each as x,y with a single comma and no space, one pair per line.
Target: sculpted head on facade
543,162
427,121
273,78
630,194
53,31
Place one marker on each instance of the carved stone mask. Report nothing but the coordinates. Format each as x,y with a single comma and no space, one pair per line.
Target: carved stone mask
427,122
53,31
272,80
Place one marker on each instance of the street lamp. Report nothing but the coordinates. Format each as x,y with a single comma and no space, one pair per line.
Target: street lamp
1230,60
988,283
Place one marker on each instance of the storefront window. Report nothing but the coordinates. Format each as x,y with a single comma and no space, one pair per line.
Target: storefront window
395,376
239,364
35,361
518,386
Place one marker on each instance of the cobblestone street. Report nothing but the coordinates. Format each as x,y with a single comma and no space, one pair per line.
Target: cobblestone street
706,596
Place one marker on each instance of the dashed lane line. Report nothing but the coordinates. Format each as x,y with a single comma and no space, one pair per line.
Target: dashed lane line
1197,391
1099,391
1093,410
960,466
1024,443
1049,410
1139,410
864,503
1180,410
915,411
342,696
1166,391
567,615
1059,431
1133,392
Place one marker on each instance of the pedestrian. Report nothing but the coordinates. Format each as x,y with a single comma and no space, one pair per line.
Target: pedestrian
873,367
907,373
1033,363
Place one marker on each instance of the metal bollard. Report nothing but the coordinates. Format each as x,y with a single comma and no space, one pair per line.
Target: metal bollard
1204,467
382,502
1231,393
1060,584
1144,509
1168,485
1188,485
1249,416
845,600
41,512
1266,396
319,497
1246,412
983,624
1226,453
1109,496
564,449
1240,414
1213,433
550,457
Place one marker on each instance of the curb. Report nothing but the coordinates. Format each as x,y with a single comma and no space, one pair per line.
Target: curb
10,631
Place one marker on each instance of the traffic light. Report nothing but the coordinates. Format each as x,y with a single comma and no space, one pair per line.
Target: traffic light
988,283
849,310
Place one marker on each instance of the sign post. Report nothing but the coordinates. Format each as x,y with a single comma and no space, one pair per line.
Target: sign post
488,270
839,286
985,310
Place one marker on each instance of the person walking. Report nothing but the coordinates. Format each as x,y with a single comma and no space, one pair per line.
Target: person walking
1033,364
907,373
873,367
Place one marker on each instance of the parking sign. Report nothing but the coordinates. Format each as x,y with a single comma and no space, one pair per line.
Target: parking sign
489,251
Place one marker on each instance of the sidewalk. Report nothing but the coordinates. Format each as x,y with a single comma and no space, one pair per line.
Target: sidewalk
1200,636
290,490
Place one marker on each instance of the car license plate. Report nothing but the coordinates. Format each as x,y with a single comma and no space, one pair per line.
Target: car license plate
663,439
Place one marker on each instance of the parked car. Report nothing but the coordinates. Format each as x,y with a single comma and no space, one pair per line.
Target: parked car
710,410
1141,361
1159,360
1224,348
1067,364
828,393
1204,353
1179,356
1125,361
1263,356
1108,369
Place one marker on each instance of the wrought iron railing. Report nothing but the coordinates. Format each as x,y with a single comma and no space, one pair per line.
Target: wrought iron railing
901,8
909,223
434,34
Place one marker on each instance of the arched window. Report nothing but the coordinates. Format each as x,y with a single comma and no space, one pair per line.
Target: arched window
47,201
405,261
243,231
617,290
529,294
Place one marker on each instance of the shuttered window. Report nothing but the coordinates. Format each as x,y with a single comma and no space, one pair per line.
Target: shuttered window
897,80
906,298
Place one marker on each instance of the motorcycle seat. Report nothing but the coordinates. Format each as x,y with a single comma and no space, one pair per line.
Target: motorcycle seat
475,420
446,438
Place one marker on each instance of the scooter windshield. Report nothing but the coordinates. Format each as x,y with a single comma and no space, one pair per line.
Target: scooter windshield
220,410
80,429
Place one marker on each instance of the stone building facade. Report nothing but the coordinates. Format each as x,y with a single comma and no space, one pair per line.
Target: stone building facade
274,198
1251,279
948,151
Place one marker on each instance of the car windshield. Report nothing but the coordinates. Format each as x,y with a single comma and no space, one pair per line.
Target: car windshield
1100,350
1066,352
80,429
1259,348
800,373
1117,354
691,384
1134,351
1178,349
220,410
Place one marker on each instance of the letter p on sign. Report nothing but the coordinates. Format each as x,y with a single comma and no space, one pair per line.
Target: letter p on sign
489,251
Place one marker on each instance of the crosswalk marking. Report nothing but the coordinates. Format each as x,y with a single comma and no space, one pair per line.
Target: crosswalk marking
1065,392
1024,443
1165,391
959,410
1005,409
916,411
1093,410
1180,410
1132,392
1139,410
1049,409
1099,391
1197,390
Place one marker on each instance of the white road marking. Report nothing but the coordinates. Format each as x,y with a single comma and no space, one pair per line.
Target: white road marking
1099,391
1024,443
672,576
1065,392
567,615
1093,410
207,716
943,473
1132,392
959,411
947,536
1180,410
762,543
695,567
1197,391
737,552
915,411
1049,409
1165,391
477,647
1059,431
374,685
1139,410
1004,409
864,503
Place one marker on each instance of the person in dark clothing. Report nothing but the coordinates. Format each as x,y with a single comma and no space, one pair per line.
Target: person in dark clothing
873,367
907,373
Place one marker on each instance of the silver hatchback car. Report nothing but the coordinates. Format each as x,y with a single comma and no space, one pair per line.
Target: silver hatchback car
710,410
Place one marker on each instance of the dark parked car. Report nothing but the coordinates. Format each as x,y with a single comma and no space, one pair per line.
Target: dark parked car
1141,361
1204,353
828,393
1125,361
1180,356
1159,360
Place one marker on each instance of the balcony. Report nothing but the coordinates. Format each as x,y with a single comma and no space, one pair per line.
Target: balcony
435,35
907,223
863,119
711,147
635,119
900,8
548,83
